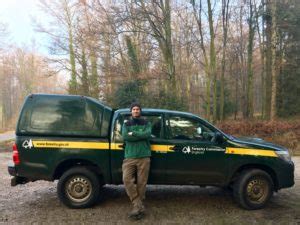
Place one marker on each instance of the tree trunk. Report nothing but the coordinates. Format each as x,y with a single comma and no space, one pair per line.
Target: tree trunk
84,75
162,32
198,16
168,50
250,63
225,5
73,82
261,39
273,71
212,59
268,81
94,80
242,69
236,99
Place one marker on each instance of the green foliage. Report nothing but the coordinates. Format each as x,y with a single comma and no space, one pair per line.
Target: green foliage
229,108
289,83
72,86
84,86
128,92
166,100
229,104
134,91
288,103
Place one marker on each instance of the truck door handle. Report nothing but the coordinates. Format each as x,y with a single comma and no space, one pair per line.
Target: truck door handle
121,146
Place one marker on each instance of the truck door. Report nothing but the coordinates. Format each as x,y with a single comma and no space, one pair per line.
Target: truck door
196,157
159,148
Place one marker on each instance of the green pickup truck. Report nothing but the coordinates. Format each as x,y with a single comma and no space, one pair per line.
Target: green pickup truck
78,141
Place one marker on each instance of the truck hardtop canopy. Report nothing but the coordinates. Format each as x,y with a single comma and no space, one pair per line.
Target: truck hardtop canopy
63,115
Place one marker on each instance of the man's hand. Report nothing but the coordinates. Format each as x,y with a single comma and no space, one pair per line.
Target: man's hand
130,133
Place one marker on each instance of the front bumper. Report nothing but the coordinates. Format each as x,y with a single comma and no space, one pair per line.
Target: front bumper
286,177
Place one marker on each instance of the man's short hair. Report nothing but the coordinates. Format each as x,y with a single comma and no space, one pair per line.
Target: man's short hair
135,104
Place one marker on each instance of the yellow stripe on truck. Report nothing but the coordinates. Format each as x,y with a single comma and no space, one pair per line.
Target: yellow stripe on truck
70,144
155,148
250,151
161,148
116,146
92,145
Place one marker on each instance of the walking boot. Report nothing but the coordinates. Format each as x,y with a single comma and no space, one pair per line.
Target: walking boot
142,208
135,213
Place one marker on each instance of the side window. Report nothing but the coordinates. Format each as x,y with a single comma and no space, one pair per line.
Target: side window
155,120
184,128
117,136
56,116
61,115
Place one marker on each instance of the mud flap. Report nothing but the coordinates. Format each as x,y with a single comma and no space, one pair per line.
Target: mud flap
18,180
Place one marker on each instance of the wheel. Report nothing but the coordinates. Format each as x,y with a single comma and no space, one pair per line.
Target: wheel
253,189
78,187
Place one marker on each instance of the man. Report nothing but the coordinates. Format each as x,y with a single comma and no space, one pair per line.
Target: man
136,133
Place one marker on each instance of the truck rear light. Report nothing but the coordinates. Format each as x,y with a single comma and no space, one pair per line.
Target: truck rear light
16,157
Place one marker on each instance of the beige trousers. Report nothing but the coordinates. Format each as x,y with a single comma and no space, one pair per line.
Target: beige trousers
136,168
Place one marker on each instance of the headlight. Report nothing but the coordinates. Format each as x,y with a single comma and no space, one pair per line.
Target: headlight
285,155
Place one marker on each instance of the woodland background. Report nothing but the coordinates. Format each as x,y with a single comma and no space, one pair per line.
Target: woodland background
226,60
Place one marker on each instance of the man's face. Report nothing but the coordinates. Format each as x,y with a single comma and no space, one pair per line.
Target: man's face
135,111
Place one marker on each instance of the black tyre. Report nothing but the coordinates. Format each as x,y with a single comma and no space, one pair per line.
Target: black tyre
253,189
78,187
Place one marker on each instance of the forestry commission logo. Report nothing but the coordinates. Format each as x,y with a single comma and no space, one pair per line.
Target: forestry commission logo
27,144
194,150
186,150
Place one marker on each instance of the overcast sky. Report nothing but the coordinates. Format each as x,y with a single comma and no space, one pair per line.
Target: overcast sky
18,15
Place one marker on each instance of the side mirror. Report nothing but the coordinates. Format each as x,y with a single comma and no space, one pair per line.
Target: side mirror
218,138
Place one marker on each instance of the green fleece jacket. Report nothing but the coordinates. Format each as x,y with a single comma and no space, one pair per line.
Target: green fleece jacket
137,145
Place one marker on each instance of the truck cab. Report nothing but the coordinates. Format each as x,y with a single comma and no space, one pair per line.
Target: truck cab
77,140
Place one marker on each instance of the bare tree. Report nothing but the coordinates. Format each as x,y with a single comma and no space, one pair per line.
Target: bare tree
61,31
251,30
225,21
209,60
273,57
158,15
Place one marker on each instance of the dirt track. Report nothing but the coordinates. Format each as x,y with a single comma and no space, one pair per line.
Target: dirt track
37,202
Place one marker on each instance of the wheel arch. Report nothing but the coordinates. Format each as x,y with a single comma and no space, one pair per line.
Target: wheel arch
70,163
265,168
